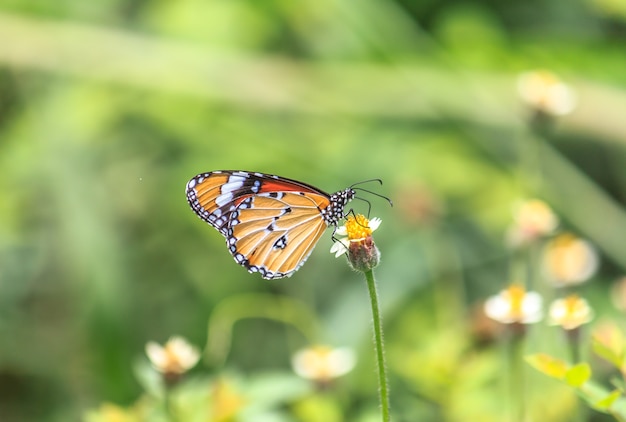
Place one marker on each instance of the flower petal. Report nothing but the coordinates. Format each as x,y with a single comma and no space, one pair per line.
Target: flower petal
341,231
156,354
340,247
375,223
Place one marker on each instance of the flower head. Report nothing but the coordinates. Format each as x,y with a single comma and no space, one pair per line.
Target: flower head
515,305
108,412
363,254
532,220
323,363
227,401
569,260
173,359
545,92
570,313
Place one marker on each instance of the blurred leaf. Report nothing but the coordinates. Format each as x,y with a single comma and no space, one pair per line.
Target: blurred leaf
602,399
618,409
618,383
271,389
612,8
149,378
108,412
578,375
318,408
608,343
608,401
550,366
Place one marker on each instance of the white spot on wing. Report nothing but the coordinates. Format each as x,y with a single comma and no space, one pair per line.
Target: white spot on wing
234,183
224,199
227,189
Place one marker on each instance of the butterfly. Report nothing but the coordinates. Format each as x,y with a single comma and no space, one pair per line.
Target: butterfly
271,223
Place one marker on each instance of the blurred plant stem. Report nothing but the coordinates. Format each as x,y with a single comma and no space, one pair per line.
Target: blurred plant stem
516,365
379,345
526,269
167,405
531,175
573,337
448,287
573,341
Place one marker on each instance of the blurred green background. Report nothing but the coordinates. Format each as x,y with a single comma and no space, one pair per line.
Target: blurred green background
107,108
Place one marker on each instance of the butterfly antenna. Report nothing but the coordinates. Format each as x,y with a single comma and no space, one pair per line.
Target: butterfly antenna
374,193
369,207
367,181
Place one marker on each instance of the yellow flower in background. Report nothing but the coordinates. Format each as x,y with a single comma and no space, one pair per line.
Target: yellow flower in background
569,260
570,312
323,363
175,358
544,91
515,305
113,413
226,402
532,219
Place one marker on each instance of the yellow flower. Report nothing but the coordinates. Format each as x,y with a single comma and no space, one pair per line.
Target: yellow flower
112,413
545,92
532,220
570,313
363,254
569,260
515,305
175,358
355,229
323,363
227,402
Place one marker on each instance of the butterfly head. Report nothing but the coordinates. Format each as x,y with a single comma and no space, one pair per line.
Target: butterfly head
335,210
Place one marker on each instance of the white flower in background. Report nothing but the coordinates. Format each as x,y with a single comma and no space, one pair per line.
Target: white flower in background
532,220
176,357
569,260
515,305
570,312
323,363
544,91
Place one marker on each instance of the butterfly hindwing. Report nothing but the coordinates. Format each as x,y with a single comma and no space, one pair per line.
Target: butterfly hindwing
274,236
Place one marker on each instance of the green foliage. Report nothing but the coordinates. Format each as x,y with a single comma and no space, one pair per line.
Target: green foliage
608,344
107,108
577,375
550,366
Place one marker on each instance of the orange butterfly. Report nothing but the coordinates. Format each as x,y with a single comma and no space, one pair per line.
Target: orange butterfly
271,224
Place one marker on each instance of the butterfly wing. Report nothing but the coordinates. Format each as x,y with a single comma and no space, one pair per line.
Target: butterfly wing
271,224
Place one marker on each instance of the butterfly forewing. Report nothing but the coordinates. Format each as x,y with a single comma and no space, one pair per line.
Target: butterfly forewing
271,224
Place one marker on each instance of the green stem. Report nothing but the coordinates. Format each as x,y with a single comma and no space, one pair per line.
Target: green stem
167,404
380,351
516,370
573,340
